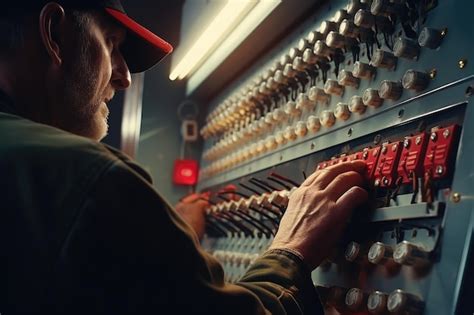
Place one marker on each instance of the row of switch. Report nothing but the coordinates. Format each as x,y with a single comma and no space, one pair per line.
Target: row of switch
401,161
404,253
319,47
356,301
390,90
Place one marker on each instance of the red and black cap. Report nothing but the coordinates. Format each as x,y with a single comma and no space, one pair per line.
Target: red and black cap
141,49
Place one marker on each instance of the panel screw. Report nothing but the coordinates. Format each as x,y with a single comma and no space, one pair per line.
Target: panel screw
312,146
462,63
456,197
434,136
385,181
446,133
418,140
406,143
432,73
439,169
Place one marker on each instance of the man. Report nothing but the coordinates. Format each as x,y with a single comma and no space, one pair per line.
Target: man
82,229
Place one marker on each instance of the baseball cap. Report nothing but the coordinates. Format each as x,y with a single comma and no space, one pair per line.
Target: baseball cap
142,49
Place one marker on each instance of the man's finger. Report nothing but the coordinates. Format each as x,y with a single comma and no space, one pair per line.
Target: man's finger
342,183
191,198
327,175
351,199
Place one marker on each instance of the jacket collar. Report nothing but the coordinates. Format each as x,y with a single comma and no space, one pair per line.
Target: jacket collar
6,104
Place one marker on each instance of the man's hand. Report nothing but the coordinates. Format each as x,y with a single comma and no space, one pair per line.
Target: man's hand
319,210
192,210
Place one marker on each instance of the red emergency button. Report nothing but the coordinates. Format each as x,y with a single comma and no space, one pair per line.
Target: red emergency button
185,172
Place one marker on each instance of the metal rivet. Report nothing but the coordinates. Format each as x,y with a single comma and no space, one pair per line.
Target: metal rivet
446,133
418,140
456,197
462,63
312,146
432,73
444,31
406,143
434,136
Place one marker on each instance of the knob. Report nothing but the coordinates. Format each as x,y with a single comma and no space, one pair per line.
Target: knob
262,124
290,134
300,129
288,71
263,89
261,148
327,118
363,70
356,300
333,87
377,302
279,199
390,90
280,138
401,302
313,124
356,105
355,252
415,80
303,44
303,102
384,8
430,38
272,84
269,118
406,48
384,59
365,19
314,36
323,50
349,29
342,111
380,253
280,77
299,64
318,95
410,254
279,114
270,143
327,26
293,53
340,16
347,79
284,60
335,40
291,109
353,6
371,98
310,57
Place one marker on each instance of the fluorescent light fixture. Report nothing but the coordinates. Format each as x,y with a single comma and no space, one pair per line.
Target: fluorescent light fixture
253,19
231,14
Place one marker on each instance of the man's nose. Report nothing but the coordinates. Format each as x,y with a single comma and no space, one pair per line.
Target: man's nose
121,78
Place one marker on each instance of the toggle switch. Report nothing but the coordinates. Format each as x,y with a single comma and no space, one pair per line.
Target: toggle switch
415,80
384,59
371,98
400,302
363,70
333,87
390,90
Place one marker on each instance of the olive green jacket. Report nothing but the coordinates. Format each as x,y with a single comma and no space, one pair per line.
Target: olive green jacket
83,231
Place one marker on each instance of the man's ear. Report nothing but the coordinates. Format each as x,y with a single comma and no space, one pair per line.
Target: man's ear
52,21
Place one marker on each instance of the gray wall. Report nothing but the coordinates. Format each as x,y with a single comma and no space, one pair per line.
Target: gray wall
160,139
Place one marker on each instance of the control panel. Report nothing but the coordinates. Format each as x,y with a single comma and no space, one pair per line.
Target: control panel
384,81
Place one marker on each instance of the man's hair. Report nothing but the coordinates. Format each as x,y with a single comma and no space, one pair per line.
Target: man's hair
12,29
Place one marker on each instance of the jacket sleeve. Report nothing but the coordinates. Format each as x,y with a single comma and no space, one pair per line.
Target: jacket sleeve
128,252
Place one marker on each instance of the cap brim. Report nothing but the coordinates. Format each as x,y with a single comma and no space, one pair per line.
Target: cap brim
142,49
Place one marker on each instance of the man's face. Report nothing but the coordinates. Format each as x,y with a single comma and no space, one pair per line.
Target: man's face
96,70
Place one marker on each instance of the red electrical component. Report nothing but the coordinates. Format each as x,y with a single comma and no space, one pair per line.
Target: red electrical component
411,158
334,161
370,156
441,146
322,165
385,173
354,156
185,172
